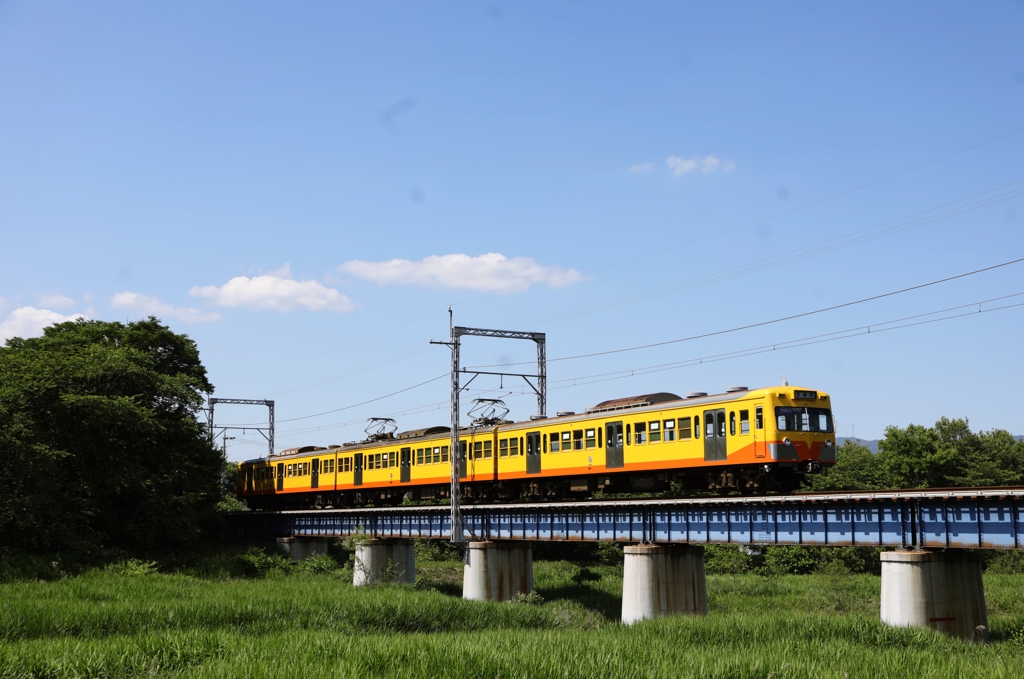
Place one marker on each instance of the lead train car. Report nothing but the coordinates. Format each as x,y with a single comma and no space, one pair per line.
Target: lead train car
751,440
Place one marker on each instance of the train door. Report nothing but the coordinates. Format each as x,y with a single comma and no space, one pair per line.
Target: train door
406,471
357,469
314,475
614,454
714,435
463,463
280,475
533,452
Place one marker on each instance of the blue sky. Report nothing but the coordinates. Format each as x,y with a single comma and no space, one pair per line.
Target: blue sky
304,188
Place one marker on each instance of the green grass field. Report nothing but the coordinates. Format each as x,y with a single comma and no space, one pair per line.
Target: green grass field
105,623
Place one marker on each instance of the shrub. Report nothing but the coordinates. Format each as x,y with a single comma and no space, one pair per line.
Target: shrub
133,567
530,599
257,563
317,564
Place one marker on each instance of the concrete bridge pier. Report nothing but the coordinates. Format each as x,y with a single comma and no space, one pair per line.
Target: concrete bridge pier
497,571
391,560
663,580
939,590
301,548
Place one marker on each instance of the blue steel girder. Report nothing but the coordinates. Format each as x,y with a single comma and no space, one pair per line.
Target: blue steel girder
983,518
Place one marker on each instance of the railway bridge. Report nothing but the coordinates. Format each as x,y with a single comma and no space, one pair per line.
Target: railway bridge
928,579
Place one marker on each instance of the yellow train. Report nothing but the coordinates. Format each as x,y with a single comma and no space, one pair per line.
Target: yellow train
751,440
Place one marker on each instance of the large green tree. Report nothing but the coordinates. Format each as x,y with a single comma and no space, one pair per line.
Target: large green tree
946,455
99,442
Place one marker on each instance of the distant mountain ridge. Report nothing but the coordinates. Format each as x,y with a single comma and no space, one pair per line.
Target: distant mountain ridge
870,444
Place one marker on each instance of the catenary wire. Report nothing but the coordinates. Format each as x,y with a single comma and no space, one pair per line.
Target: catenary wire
857,331
774,320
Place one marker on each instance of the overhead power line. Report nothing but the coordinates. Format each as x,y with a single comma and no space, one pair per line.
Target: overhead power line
873,328
372,400
976,308
778,320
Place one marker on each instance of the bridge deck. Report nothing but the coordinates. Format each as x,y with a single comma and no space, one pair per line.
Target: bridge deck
979,518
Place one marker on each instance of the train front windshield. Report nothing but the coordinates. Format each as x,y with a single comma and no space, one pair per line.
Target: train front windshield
804,419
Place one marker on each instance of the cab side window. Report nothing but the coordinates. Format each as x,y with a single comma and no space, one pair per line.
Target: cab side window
759,418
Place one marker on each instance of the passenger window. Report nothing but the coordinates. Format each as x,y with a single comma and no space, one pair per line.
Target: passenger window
758,418
744,422
577,439
641,433
670,430
684,428
478,450
732,423
545,437
488,448
554,443
566,441
599,443
513,447
654,429
591,438
419,456
629,438
444,454
503,448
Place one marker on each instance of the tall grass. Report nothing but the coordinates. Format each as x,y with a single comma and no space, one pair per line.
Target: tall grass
110,624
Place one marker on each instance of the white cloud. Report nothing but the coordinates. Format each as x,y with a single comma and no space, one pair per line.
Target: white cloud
492,272
146,305
29,321
709,163
56,301
642,167
276,290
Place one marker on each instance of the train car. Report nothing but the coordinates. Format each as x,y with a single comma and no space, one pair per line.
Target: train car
747,440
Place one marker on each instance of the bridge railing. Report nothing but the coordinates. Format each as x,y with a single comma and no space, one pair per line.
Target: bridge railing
987,518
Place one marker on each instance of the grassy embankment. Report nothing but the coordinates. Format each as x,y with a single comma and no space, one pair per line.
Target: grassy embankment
112,624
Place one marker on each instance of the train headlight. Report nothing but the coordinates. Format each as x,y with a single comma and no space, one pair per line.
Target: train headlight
828,443
786,441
